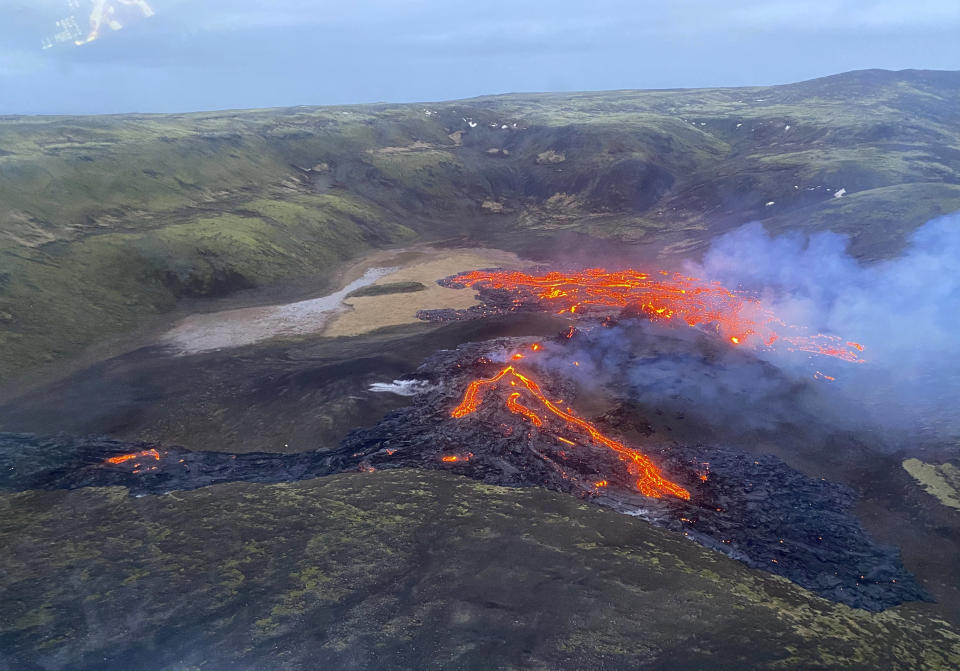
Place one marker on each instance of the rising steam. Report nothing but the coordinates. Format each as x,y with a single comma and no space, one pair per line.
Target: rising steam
768,333
906,312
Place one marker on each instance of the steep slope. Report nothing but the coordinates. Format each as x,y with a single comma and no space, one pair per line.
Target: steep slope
106,220
362,571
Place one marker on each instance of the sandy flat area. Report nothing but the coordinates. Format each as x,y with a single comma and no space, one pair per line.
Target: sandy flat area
245,326
336,315
367,313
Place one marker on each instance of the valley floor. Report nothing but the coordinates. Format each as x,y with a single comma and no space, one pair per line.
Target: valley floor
404,569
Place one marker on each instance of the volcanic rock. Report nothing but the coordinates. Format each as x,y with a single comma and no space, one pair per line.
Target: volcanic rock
755,509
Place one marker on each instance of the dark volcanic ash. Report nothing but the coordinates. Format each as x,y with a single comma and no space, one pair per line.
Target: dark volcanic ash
881,341
754,508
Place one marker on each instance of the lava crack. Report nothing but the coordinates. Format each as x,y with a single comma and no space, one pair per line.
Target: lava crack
650,481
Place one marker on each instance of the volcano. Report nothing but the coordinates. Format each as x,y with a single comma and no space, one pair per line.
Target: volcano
490,412
735,315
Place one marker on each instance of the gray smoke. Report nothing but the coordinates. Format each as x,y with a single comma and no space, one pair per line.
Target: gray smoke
905,311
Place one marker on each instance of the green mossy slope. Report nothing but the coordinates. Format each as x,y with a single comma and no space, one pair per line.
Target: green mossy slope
364,571
107,220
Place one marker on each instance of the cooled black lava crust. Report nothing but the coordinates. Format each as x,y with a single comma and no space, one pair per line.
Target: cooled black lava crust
755,509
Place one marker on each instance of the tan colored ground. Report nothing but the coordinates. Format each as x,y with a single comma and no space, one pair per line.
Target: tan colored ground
244,326
416,146
941,481
367,313
336,315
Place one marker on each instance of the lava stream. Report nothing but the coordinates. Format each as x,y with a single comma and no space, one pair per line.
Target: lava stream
121,458
738,316
650,482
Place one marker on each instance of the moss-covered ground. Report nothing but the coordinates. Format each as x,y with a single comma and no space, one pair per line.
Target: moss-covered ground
105,221
387,289
405,569
942,481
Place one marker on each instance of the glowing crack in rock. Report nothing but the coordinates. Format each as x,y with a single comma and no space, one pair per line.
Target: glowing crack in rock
737,316
134,459
121,458
650,481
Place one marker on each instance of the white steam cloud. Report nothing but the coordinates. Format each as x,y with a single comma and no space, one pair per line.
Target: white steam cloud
905,311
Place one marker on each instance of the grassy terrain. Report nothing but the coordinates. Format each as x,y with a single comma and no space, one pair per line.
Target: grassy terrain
361,571
941,481
107,220
389,288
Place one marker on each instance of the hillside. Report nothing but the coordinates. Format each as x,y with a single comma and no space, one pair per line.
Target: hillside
362,571
299,388
105,221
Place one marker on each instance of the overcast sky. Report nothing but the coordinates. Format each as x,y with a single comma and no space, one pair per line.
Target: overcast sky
217,54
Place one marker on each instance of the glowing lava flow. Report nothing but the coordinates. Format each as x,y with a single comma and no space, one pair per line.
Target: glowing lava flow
736,315
119,459
649,480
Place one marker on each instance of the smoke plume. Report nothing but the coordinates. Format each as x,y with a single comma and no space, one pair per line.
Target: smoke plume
905,312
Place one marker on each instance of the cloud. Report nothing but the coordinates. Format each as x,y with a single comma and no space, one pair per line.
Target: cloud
860,15
287,52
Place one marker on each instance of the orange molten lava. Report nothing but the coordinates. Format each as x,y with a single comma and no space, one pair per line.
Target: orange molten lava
127,457
649,480
737,316
519,409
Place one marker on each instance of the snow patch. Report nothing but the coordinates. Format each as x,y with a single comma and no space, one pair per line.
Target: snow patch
401,387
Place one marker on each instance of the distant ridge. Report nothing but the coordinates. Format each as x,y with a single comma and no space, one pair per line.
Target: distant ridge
108,220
